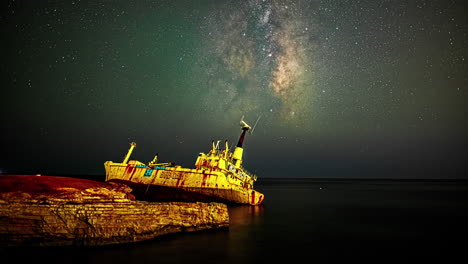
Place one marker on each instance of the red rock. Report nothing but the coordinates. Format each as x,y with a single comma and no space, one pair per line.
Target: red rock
46,210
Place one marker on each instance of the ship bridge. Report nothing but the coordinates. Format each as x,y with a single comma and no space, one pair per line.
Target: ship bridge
223,160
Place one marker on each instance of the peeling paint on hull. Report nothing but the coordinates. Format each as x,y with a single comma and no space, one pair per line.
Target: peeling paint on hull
179,184
218,176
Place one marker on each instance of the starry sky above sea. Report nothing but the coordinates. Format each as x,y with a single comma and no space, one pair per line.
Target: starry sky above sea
357,89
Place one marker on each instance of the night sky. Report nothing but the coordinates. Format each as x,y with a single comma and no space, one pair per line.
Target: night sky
349,89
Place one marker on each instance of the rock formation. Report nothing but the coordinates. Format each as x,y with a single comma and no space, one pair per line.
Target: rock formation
48,211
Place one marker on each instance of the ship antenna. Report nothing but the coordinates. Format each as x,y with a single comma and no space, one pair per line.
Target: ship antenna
251,131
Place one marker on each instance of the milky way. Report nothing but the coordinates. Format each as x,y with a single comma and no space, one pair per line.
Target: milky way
363,87
258,55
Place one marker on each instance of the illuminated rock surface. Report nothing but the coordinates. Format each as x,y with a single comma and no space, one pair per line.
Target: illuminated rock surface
46,211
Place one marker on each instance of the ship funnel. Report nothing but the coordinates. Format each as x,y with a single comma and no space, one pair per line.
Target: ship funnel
130,150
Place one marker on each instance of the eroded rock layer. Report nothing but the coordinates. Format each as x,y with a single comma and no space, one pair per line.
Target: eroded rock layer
41,210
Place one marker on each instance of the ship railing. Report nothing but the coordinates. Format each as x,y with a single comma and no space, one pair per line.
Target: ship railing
251,175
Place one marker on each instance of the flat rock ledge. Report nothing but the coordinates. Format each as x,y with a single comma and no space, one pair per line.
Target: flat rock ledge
61,211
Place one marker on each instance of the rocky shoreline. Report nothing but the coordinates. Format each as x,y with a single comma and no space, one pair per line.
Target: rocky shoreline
63,211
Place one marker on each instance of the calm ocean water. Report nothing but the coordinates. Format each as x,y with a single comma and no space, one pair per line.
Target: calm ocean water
312,221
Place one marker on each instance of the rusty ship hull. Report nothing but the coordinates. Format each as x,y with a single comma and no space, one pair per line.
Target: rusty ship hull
190,194
218,175
179,184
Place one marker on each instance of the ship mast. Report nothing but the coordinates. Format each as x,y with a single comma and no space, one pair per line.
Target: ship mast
132,146
238,151
241,139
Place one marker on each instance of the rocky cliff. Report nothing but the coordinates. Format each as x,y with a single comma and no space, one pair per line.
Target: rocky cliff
43,210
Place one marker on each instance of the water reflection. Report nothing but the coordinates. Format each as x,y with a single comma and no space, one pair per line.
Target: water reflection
245,222
240,215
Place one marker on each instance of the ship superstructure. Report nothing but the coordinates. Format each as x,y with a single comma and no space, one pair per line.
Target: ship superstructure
217,176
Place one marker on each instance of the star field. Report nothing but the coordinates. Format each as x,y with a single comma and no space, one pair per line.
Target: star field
343,88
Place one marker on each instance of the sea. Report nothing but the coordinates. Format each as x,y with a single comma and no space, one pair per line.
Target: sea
308,221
